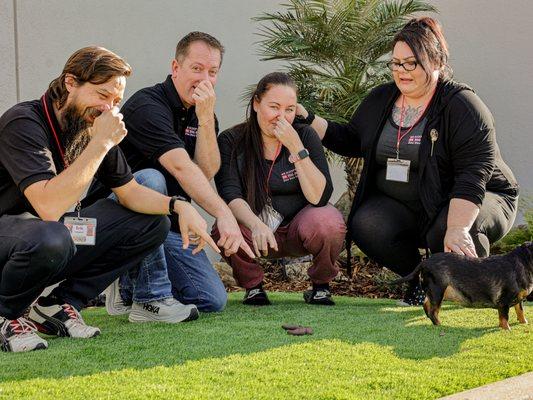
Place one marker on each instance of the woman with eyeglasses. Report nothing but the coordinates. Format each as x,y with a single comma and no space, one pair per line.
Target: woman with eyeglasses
433,175
275,178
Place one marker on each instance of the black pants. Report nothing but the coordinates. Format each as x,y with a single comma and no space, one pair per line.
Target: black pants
387,230
35,254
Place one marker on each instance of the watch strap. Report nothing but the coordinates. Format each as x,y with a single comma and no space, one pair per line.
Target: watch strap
307,121
171,203
304,153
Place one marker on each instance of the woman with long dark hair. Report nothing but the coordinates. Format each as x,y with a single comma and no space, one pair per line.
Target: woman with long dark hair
433,175
275,179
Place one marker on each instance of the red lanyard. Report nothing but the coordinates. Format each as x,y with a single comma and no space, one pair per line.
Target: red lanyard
278,150
65,162
399,137
59,147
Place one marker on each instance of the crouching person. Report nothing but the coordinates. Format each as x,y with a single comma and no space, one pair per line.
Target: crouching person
51,149
275,179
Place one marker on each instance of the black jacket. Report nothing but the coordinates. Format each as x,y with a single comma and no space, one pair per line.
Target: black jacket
465,160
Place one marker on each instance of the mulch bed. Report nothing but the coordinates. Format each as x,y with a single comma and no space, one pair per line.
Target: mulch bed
368,280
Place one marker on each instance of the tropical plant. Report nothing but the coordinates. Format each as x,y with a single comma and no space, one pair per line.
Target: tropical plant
334,49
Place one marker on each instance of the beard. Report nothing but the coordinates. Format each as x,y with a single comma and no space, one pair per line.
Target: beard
76,131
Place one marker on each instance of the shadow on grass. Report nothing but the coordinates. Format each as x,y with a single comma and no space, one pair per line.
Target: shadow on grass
244,330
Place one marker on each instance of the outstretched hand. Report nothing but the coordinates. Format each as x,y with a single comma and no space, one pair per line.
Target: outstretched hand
193,228
231,239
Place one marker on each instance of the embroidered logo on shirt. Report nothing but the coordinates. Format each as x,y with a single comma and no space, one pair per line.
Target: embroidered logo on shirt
415,139
191,131
289,175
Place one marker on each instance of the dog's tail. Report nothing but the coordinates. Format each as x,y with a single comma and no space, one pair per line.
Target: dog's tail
408,277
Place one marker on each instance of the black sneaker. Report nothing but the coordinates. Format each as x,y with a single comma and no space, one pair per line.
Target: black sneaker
319,295
256,296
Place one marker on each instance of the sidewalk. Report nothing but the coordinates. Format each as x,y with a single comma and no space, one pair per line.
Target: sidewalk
516,388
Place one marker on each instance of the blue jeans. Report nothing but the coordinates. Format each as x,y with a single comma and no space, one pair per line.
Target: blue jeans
171,271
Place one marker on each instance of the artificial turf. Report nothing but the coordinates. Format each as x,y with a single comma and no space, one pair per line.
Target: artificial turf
361,349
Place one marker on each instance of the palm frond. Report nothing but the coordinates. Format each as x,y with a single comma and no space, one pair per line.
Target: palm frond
335,49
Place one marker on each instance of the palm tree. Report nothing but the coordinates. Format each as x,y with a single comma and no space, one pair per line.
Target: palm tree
335,51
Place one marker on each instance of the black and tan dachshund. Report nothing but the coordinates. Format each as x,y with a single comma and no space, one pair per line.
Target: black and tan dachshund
499,281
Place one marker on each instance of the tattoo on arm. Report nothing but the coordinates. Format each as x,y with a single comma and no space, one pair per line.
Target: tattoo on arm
410,116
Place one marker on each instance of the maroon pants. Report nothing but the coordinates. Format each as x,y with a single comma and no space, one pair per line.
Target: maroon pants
314,230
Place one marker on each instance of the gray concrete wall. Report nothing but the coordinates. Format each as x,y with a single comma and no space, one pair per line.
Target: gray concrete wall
8,78
490,43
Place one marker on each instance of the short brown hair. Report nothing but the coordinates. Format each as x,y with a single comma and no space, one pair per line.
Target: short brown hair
182,48
90,64
425,38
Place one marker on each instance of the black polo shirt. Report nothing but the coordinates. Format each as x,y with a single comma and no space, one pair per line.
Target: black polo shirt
29,154
157,122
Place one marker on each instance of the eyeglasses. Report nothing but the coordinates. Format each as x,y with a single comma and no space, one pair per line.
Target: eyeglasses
407,65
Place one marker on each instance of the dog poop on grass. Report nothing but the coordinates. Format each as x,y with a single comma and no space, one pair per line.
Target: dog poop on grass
297,330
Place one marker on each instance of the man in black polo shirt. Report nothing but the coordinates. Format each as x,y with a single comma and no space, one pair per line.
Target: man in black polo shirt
51,149
172,128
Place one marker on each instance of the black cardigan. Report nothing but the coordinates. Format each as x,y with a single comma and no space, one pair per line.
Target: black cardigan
465,161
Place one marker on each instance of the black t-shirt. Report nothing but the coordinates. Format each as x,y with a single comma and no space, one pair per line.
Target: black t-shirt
406,192
157,122
29,154
285,191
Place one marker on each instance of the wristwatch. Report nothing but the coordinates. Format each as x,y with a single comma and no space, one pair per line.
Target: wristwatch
307,121
298,156
171,204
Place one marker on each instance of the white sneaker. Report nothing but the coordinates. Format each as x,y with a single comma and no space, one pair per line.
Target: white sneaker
61,320
166,310
20,335
114,304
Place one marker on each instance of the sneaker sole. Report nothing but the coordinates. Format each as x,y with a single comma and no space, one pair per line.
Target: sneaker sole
141,316
6,347
110,294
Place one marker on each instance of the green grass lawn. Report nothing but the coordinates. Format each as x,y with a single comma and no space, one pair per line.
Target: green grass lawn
361,349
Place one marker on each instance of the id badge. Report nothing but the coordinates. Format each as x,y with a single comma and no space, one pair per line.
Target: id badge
398,170
271,217
82,230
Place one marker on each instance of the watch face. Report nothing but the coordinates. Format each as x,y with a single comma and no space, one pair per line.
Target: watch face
303,153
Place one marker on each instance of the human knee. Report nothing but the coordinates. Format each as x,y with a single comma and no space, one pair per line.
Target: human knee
161,227
364,228
327,223
215,302
151,229
54,247
153,179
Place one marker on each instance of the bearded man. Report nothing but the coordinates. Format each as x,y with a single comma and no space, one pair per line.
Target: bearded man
51,151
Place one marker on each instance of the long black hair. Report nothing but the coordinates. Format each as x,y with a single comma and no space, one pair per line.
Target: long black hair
250,143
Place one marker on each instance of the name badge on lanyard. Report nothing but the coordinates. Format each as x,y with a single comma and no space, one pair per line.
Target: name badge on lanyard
82,230
398,170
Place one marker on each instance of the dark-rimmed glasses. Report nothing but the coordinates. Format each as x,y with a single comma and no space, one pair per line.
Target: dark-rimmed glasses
407,65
